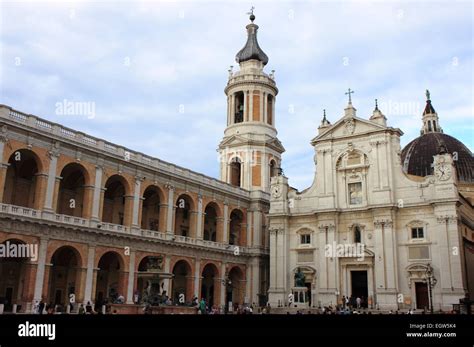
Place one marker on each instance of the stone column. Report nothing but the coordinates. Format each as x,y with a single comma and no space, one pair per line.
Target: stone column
251,106
225,234
199,217
166,281
136,202
248,285
131,278
223,284
40,270
246,105
97,194
197,277
255,280
232,109
228,109
264,107
273,111
89,274
171,208
257,226
249,229
48,201
379,259
324,261
3,166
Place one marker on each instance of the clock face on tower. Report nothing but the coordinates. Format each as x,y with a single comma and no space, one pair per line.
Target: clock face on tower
443,171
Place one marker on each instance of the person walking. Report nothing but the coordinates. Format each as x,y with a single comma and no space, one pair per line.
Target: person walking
41,307
202,306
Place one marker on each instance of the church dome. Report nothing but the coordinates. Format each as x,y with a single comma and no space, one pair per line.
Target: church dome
251,49
417,156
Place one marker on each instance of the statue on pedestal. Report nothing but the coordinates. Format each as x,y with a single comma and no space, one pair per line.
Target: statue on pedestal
300,278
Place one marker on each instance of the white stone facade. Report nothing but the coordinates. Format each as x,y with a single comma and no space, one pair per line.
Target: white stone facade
360,194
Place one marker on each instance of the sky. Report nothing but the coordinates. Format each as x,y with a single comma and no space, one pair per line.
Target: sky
154,72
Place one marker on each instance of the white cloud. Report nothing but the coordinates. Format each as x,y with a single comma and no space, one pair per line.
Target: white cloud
179,53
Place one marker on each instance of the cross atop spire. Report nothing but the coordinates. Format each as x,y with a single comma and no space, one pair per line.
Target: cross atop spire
427,94
349,92
252,16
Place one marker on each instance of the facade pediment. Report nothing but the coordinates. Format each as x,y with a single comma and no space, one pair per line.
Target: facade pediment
348,126
276,144
233,140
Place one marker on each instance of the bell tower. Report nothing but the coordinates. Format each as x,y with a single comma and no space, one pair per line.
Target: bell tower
250,152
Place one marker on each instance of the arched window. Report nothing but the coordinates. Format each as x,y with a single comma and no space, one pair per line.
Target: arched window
114,200
210,223
270,109
239,107
183,224
20,182
235,232
235,172
357,235
71,190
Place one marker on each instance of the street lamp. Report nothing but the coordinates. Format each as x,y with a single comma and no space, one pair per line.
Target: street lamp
431,281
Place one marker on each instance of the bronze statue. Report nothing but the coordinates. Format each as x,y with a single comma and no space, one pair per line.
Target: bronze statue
299,278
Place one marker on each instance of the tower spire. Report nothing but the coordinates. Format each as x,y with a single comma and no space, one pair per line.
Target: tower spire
251,50
324,123
377,115
430,117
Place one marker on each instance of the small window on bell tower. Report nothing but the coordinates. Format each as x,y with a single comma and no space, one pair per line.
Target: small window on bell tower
270,109
239,108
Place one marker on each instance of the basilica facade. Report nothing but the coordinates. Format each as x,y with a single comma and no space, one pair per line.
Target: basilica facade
392,227
110,222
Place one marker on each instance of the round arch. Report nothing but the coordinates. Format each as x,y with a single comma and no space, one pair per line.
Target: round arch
21,181
64,276
212,215
152,213
14,276
71,192
113,210
110,278
235,287
182,283
210,284
235,167
237,232
185,218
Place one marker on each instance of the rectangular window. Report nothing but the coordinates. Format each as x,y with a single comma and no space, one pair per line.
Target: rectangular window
355,193
305,239
417,233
